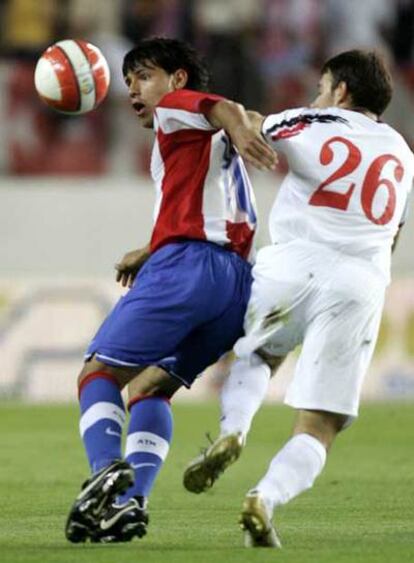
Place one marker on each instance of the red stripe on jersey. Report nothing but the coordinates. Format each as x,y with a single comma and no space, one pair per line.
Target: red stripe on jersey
186,158
290,131
241,238
188,100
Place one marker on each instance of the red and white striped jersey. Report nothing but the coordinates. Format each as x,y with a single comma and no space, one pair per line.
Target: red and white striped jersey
348,183
202,188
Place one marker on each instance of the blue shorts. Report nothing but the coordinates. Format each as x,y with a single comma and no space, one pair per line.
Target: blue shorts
184,311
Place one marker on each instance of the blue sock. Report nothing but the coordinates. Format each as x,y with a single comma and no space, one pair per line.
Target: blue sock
148,442
102,418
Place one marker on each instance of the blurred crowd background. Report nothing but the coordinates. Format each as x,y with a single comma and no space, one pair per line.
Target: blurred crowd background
263,53
75,194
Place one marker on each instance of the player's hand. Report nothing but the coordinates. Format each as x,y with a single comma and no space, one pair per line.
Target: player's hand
253,148
129,266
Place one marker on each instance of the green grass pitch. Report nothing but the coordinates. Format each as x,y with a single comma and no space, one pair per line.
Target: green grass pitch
360,510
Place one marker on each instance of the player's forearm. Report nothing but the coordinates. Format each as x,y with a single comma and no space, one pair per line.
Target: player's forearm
256,119
245,133
230,115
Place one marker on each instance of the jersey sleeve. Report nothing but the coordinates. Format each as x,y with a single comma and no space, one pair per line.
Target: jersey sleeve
185,109
278,127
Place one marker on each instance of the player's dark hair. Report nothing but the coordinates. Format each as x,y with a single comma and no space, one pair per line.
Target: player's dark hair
170,55
366,76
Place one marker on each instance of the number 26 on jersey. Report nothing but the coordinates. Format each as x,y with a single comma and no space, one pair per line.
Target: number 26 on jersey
372,181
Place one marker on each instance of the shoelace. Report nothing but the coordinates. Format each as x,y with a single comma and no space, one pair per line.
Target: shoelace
203,450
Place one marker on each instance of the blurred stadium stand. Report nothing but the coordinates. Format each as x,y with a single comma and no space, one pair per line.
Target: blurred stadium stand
264,53
76,194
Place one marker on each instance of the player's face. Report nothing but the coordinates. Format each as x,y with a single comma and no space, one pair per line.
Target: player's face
147,85
326,97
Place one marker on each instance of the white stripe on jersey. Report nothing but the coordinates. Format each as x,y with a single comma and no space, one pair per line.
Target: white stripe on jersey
172,120
214,194
157,174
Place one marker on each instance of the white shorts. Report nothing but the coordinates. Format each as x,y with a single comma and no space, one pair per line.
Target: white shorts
331,303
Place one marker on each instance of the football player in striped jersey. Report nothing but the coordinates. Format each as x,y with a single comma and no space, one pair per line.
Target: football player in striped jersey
188,288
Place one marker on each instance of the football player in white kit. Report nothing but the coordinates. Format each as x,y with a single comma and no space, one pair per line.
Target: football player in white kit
320,284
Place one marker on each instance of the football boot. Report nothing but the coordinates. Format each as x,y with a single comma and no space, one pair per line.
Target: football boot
255,520
204,470
123,521
97,493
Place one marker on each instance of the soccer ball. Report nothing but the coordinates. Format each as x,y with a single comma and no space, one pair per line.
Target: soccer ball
72,76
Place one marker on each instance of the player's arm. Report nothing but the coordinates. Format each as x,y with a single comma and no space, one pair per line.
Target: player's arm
256,119
209,112
131,263
244,129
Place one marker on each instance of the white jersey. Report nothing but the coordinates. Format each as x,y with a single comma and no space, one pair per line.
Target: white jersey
348,184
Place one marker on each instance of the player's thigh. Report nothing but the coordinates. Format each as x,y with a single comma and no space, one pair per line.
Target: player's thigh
274,362
322,425
121,375
156,314
141,327
153,382
337,348
281,289
207,344
183,288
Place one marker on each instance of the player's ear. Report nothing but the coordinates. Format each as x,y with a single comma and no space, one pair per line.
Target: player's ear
341,94
179,79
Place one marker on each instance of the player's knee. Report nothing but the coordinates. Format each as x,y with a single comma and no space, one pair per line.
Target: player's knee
90,367
153,382
95,367
274,362
322,425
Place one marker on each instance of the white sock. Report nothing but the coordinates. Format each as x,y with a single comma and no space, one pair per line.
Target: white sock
293,469
242,394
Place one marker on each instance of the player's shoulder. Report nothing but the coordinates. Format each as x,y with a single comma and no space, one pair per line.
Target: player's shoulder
397,136
188,100
358,119
184,110
309,113
292,122
175,98
404,149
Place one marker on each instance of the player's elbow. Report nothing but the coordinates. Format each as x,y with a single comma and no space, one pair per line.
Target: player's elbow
225,113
